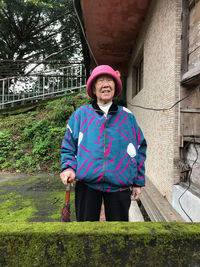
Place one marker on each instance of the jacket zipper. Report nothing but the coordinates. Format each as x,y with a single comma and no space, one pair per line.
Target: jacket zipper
104,160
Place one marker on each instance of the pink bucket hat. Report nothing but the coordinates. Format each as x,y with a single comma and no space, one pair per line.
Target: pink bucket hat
106,70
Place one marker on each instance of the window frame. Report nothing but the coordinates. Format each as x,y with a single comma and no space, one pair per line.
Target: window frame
138,75
190,77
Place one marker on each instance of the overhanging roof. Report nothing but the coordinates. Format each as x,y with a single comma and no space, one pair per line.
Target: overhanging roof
111,27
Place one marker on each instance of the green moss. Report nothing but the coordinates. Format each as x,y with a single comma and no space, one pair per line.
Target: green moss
31,199
2,191
100,244
20,182
16,209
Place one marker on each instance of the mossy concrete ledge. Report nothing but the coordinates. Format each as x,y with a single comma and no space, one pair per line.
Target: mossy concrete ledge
100,244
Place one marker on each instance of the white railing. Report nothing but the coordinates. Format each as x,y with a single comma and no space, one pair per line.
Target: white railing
40,86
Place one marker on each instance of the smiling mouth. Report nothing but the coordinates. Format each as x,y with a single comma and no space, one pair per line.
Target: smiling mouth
105,91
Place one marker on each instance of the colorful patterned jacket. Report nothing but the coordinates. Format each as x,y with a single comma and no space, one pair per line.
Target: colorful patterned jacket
106,152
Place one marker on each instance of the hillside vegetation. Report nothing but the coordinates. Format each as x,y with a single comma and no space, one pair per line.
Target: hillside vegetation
30,141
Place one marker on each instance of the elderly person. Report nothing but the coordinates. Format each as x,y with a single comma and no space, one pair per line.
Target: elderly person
104,150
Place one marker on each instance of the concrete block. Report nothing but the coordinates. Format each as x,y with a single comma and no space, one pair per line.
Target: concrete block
189,202
135,214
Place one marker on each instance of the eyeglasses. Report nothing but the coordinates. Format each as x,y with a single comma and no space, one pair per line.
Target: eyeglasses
103,80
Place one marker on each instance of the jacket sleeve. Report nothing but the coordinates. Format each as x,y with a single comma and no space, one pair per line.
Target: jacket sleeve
139,180
69,144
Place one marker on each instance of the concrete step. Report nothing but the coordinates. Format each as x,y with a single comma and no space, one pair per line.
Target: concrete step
135,214
157,207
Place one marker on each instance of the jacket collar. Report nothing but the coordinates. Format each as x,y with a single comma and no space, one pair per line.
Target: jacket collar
113,108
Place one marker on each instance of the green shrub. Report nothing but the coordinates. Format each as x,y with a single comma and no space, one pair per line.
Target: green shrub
38,128
2,160
42,147
26,162
6,144
60,115
18,153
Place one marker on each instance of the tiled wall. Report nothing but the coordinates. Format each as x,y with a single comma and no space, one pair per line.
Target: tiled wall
160,39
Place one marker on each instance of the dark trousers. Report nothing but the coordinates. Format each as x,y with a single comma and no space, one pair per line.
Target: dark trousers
88,204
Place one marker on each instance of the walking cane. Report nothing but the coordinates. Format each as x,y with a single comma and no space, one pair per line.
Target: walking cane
65,216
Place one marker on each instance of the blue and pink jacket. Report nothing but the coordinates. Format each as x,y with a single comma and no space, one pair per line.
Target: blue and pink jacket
106,152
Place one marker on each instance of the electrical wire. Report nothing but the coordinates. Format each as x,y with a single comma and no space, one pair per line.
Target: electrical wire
160,109
84,35
189,182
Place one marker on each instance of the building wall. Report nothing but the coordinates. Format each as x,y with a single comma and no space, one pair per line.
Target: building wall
160,41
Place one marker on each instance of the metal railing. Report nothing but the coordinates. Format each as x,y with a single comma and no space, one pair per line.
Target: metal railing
40,86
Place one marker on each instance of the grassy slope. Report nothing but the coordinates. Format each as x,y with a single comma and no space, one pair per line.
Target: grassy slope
30,141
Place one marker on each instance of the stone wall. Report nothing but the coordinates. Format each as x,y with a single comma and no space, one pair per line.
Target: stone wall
99,244
160,43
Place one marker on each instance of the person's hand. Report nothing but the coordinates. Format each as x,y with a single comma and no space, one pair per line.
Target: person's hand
67,176
136,192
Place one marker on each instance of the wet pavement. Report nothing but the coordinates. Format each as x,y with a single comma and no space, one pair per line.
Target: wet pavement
32,198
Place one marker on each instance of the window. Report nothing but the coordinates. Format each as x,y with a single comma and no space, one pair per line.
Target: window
137,77
190,35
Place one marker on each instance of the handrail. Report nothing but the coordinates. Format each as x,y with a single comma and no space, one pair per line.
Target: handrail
41,85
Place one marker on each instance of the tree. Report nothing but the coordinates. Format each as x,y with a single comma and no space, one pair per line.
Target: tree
34,30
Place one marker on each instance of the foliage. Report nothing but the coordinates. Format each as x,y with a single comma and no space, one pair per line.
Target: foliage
60,112
32,30
5,144
31,142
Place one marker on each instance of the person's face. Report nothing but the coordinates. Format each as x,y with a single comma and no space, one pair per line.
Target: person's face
104,89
